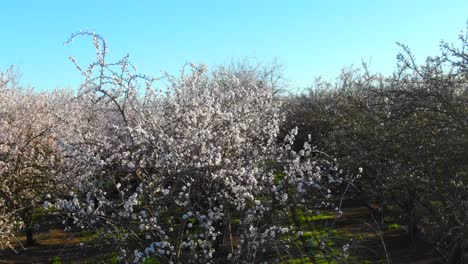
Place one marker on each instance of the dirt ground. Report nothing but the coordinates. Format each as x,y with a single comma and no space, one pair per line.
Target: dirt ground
69,247
56,244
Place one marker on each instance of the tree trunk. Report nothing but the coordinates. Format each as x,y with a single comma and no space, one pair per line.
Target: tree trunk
28,220
412,225
294,215
30,237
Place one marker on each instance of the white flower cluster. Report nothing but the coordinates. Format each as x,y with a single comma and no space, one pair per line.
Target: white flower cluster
8,224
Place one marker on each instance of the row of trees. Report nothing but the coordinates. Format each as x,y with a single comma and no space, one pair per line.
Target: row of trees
409,132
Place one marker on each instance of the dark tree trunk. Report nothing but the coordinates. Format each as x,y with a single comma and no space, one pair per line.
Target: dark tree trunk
294,215
30,237
28,220
413,229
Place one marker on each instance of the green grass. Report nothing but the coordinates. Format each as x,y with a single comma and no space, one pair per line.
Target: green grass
88,237
304,260
150,261
57,260
393,226
304,218
391,223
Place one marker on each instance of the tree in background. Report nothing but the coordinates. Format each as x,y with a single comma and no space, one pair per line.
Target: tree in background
409,134
28,154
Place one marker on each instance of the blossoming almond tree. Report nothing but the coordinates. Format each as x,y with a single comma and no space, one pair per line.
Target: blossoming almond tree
188,172
28,154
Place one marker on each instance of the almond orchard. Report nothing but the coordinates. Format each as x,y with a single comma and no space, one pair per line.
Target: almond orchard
223,166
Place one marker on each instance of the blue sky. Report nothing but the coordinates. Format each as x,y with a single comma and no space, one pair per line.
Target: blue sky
309,38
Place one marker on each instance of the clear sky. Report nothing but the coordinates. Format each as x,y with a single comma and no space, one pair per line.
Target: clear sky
309,38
